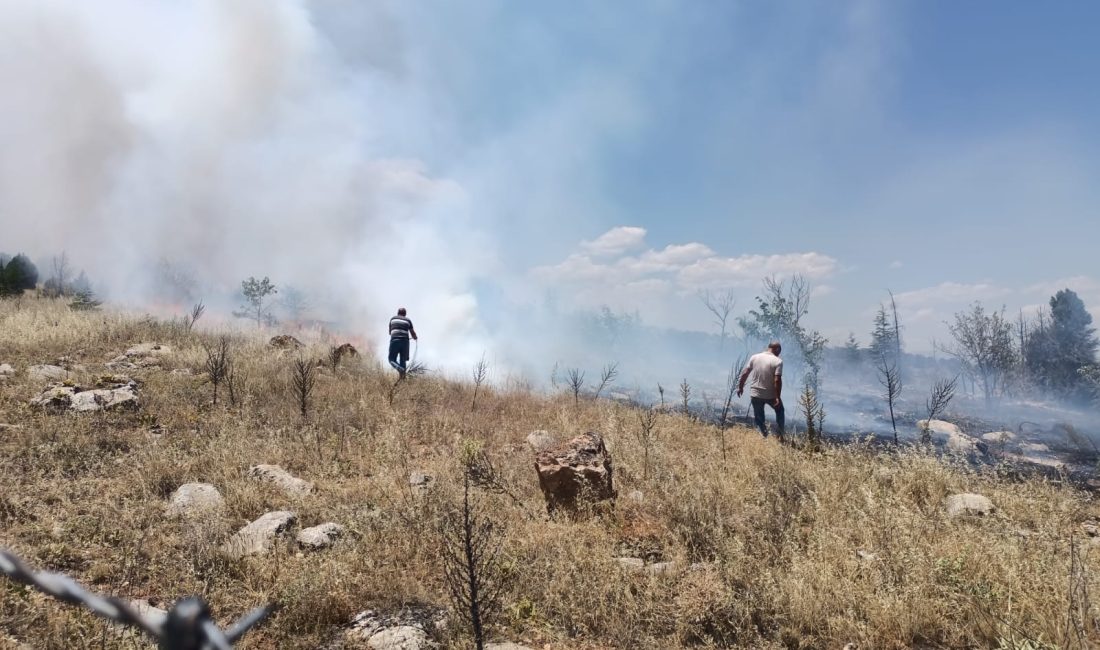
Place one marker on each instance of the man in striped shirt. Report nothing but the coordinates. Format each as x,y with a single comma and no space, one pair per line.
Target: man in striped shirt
401,329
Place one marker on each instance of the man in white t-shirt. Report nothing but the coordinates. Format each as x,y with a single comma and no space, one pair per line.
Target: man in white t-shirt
766,370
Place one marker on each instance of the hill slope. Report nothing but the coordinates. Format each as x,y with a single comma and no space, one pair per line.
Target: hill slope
770,546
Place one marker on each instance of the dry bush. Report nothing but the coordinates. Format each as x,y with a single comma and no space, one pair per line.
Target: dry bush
765,543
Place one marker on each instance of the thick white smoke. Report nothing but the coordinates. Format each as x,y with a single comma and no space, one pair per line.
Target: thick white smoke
230,139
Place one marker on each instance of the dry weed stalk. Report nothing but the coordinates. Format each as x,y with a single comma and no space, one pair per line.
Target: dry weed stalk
576,383
943,391
608,376
473,567
303,378
480,374
218,364
647,436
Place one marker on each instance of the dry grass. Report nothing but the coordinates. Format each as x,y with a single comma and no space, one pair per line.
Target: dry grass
765,543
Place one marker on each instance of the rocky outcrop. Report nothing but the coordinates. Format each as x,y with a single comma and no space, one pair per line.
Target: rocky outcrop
578,470
258,537
319,537
47,372
968,505
280,478
121,396
143,355
194,500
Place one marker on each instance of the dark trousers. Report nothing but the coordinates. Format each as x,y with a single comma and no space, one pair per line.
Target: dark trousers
399,353
758,415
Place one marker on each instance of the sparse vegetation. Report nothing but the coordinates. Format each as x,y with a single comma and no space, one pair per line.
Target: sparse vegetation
763,545
575,378
943,391
608,375
218,364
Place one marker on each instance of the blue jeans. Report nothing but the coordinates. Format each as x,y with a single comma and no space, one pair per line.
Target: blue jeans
758,415
399,354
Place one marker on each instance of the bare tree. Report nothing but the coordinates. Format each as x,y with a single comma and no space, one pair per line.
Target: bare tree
685,396
218,363
58,283
197,310
890,379
647,436
983,343
473,567
941,395
480,373
576,382
814,412
720,305
303,377
608,376
661,392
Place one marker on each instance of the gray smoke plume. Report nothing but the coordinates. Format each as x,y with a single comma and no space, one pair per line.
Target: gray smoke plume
227,139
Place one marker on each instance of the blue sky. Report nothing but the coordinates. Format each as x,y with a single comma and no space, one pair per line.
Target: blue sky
943,150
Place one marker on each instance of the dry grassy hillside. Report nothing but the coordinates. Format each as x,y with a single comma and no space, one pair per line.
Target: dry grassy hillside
772,547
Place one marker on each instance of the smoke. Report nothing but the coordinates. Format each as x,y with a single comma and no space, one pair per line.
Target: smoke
228,139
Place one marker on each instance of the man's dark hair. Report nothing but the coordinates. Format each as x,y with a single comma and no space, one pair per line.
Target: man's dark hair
401,311
774,346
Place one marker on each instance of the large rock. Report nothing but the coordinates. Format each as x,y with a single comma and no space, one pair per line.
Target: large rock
280,478
951,436
47,372
319,537
258,537
407,629
105,399
968,504
579,469
194,499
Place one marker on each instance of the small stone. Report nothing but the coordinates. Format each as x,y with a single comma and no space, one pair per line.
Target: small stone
637,496
1091,528
46,372
258,537
285,342
281,479
967,504
402,637
660,568
999,437
866,556
506,645
6,371
194,499
319,537
540,440
421,482
631,563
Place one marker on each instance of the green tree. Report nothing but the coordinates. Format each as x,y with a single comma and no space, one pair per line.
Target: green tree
882,336
18,275
853,354
256,307
1062,344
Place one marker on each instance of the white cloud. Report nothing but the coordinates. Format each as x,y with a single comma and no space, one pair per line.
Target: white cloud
950,293
616,241
896,264
748,270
